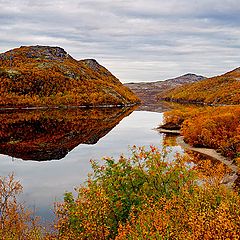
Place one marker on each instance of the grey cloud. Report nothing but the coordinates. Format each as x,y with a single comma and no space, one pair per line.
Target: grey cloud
137,40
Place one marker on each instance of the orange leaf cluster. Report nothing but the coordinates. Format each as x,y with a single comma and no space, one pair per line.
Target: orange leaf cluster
213,127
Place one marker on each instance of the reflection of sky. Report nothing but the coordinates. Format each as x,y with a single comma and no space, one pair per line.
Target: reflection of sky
45,182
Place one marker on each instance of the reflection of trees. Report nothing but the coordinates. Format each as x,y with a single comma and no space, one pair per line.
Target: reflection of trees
170,140
208,168
51,134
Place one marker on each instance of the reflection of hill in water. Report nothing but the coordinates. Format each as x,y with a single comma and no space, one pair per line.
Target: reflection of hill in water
50,134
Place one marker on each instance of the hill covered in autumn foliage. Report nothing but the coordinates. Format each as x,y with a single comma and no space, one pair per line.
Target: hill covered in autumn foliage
48,76
223,89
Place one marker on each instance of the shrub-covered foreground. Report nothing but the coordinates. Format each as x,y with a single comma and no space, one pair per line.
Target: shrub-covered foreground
145,197
16,222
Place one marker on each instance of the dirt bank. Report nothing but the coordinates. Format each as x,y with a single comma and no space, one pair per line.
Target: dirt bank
228,179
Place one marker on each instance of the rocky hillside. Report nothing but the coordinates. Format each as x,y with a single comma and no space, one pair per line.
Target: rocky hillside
48,76
223,89
148,91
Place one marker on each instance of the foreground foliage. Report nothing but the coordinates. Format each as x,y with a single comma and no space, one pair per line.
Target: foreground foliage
16,222
145,196
202,213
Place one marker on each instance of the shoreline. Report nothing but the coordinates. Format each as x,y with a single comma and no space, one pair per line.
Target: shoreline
69,107
228,179
195,102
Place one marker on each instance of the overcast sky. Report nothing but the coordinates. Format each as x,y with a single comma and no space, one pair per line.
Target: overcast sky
137,40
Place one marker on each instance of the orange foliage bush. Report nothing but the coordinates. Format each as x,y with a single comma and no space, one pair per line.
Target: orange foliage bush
16,222
89,217
214,127
204,213
180,114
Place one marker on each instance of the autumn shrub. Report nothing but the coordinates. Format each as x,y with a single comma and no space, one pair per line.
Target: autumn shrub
16,222
180,113
118,189
206,212
88,217
214,127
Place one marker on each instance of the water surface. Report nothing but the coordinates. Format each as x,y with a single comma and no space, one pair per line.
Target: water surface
72,138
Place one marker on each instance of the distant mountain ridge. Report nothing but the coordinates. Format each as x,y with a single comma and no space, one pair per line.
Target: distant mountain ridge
148,91
222,89
49,76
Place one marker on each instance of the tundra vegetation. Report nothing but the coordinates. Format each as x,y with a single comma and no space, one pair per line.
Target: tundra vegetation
47,76
213,127
223,89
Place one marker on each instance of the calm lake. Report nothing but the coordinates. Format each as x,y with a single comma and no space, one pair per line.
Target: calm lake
49,150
